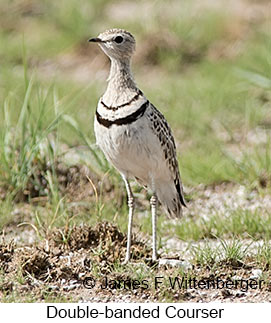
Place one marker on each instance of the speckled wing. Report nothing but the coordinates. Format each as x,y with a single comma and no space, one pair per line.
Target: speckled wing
163,132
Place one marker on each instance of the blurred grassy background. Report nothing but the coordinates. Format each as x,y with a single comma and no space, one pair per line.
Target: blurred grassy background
205,64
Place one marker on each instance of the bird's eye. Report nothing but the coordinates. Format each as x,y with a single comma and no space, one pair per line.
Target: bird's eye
118,39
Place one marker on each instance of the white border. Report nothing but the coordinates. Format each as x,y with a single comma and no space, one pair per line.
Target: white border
234,312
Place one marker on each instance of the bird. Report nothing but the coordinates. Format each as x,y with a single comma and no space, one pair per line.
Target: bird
135,136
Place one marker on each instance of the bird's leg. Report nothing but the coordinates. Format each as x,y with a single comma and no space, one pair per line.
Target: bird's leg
153,202
130,218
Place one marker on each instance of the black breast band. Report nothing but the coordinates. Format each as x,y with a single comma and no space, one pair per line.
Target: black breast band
139,93
122,121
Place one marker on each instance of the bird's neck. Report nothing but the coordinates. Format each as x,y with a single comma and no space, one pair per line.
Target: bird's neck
121,85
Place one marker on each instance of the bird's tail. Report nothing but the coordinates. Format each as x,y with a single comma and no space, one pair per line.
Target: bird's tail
170,195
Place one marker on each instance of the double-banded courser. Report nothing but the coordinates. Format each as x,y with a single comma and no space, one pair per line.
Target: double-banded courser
135,136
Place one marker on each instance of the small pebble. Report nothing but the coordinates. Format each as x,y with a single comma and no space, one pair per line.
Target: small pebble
256,274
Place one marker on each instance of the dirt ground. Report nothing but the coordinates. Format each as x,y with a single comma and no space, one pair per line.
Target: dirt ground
74,263
64,263
66,270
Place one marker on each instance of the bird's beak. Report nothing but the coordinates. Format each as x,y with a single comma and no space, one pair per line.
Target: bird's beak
95,40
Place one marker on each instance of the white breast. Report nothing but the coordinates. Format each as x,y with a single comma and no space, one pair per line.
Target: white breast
133,149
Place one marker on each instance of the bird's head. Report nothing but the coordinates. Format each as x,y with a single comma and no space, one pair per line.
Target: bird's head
116,43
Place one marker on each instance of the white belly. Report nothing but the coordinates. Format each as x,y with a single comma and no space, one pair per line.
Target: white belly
133,149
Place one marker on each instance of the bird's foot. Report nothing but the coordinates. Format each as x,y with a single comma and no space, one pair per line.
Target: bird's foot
150,262
125,261
184,264
154,257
